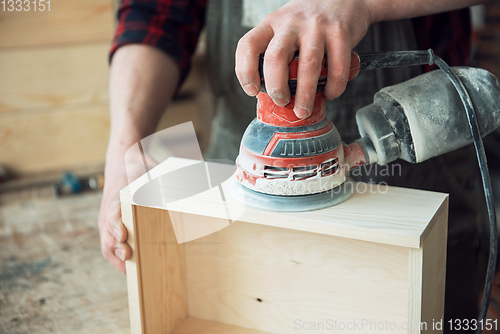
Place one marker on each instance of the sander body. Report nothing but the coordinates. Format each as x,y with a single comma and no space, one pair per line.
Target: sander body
291,164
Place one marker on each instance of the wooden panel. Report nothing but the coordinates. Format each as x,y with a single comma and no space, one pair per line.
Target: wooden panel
427,276
434,271
161,276
68,22
53,77
269,273
33,142
133,277
390,215
281,281
199,326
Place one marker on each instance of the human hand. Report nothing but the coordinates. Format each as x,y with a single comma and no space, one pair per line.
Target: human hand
117,176
111,229
316,27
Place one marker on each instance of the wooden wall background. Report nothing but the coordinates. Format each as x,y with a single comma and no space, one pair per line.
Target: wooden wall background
54,99
54,85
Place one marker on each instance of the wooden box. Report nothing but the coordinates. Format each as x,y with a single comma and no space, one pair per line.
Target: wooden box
374,264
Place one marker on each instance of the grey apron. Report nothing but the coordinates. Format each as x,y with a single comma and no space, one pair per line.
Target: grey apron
455,173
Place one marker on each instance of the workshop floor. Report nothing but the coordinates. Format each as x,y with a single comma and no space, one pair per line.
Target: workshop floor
53,278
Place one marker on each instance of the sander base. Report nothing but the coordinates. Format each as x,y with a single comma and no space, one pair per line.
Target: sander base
291,203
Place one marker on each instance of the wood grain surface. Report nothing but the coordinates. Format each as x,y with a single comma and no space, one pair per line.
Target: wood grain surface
429,264
394,216
67,22
54,140
160,271
133,278
377,257
53,77
282,281
200,326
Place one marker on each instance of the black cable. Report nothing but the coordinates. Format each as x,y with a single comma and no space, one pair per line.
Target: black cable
488,192
410,58
368,61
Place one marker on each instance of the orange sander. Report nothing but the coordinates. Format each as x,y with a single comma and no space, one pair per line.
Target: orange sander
291,164
281,154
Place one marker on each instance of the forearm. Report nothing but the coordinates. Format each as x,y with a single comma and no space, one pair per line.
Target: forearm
386,10
142,82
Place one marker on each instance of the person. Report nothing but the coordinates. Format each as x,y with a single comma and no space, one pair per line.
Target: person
150,59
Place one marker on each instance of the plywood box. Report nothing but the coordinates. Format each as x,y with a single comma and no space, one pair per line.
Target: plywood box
373,264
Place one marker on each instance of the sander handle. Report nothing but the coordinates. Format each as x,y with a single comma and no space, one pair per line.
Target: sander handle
367,61
374,60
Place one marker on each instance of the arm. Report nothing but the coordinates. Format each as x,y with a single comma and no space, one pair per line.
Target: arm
318,27
150,57
386,10
143,81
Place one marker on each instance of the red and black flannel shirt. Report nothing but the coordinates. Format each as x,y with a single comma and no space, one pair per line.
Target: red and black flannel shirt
173,26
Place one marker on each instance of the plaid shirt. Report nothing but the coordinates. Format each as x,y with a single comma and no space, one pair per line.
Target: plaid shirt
173,26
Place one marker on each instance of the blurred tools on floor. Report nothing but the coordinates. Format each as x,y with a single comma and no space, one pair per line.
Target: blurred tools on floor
71,184
84,179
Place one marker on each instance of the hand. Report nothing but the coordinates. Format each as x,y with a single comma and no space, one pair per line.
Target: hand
316,27
111,229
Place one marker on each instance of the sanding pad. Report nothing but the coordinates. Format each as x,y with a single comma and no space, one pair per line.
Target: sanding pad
291,203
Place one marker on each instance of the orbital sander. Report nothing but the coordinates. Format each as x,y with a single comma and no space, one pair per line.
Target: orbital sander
291,164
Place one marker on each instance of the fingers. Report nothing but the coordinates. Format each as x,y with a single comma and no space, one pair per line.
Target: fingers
114,223
310,62
248,51
115,252
123,251
278,55
113,236
339,61
281,35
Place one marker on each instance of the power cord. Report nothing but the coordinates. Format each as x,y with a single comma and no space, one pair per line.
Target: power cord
410,58
488,191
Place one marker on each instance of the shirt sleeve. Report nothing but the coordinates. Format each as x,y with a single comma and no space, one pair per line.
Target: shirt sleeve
172,26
